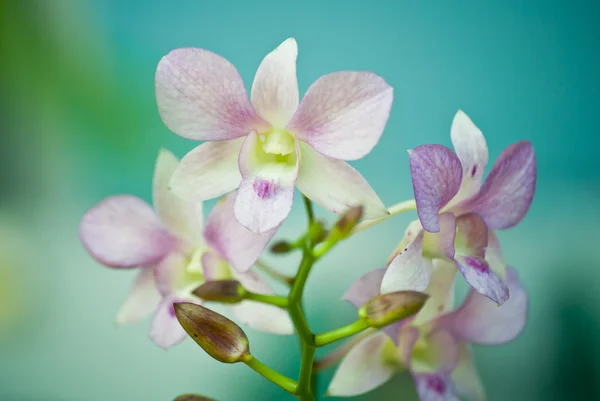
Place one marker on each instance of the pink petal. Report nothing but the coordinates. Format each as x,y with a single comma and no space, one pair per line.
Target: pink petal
143,298
342,115
234,242
409,270
508,190
265,318
478,274
275,88
335,185
465,377
208,171
480,321
123,231
367,366
365,288
493,255
408,335
436,176
165,330
201,96
266,193
471,148
435,387
182,218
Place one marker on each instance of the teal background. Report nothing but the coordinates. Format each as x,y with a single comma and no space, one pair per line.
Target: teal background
79,122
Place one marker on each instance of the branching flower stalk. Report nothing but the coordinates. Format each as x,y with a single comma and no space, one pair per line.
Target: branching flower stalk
256,153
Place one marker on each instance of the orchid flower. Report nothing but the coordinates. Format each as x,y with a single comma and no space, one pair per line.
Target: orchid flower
457,213
434,345
175,255
272,143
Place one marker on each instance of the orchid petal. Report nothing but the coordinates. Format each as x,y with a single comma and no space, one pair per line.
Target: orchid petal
480,321
441,244
234,242
366,367
143,298
436,176
182,218
440,355
208,171
471,148
508,190
407,338
409,270
165,330
365,288
478,274
465,377
201,96
123,231
493,255
440,291
266,193
214,267
342,115
335,185
471,235
258,316
177,274
275,88
435,387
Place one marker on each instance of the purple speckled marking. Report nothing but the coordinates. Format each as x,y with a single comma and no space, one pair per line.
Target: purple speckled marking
474,171
265,189
172,309
436,384
478,265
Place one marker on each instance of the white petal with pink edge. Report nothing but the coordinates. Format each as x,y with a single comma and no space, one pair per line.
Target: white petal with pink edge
275,89
142,300
123,231
208,171
343,114
201,96
371,363
335,185
182,218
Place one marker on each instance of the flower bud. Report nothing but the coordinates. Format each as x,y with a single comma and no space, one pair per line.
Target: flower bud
218,336
348,221
226,291
388,308
192,397
281,247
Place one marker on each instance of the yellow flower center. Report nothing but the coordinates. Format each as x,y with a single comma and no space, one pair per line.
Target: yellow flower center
278,143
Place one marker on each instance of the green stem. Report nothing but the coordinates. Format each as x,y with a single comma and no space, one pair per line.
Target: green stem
309,210
340,333
277,378
275,300
393,210
265,268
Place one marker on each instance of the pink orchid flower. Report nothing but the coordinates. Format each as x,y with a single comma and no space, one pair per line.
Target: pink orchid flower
272,143
434,345
457,213
175,254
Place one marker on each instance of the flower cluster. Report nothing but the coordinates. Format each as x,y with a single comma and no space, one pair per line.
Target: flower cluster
257,149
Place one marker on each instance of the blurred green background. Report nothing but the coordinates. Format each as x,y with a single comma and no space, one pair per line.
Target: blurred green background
79,122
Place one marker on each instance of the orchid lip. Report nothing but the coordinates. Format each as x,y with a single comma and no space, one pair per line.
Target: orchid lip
278,142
